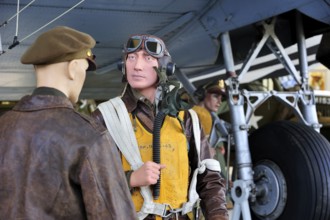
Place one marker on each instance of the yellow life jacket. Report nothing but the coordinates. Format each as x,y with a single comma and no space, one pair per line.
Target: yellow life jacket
119,124
205,119
174,154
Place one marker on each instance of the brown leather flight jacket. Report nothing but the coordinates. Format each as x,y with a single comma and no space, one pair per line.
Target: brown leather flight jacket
57,164
210,184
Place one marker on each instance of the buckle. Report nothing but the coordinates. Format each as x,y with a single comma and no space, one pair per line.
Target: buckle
170,217
166,212
169,212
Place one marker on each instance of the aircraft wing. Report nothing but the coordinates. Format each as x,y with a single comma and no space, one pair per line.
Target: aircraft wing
190,28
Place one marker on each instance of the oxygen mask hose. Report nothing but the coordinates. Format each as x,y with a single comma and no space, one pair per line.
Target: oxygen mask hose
156,148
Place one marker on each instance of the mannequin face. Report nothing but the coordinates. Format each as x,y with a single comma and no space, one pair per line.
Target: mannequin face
140,72
212,101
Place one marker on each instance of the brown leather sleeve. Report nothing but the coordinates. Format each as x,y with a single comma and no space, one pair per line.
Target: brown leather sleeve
102,177
210,185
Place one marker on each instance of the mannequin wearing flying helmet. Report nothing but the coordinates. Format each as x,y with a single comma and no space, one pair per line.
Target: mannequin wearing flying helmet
156,48
140,117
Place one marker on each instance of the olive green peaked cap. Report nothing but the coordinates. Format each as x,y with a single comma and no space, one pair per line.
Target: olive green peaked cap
58,45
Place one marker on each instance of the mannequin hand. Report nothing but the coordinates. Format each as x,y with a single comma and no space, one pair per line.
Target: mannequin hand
146,175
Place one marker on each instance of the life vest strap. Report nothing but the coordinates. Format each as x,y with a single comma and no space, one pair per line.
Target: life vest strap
120,127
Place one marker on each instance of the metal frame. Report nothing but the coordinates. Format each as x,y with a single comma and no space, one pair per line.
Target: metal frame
244,188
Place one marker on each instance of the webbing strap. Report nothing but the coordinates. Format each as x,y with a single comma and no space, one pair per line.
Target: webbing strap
210,164
197,134
120,127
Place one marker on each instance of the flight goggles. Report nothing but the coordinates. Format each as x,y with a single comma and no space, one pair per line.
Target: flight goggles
154,46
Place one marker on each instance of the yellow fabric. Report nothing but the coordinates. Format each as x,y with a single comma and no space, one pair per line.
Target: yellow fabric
205,118
174,154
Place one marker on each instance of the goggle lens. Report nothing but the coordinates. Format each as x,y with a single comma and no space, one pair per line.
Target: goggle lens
133,44
154,47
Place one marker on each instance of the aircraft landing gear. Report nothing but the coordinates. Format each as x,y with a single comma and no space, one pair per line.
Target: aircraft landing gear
285,166
240,194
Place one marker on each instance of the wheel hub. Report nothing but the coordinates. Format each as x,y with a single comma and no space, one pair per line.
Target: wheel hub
271,189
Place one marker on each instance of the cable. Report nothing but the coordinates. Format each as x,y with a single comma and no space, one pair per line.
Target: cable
6,22
16,42
53,20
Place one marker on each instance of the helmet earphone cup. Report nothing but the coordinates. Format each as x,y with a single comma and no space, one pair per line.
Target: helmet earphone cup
121,67
170,69
165,63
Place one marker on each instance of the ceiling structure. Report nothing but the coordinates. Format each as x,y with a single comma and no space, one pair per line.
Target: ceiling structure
190,29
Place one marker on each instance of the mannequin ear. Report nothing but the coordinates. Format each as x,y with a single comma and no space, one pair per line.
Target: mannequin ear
71,70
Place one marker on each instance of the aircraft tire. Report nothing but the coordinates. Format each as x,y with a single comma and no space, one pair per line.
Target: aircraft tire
292,167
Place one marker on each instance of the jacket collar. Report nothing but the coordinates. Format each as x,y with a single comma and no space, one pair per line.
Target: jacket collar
39,102
131,98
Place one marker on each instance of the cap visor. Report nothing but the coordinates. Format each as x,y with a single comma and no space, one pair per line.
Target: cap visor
91,65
